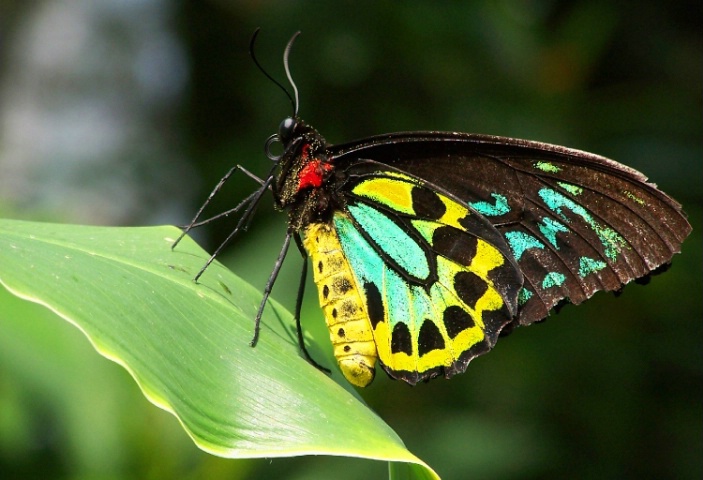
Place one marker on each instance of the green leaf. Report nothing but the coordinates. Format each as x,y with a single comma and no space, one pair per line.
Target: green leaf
187,344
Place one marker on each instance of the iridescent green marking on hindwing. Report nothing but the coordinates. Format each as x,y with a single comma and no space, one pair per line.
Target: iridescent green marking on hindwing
390,238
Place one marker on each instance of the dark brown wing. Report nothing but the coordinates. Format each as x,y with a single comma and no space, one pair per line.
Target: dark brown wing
576,222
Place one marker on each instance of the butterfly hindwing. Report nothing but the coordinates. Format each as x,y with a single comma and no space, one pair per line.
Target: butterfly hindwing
436,291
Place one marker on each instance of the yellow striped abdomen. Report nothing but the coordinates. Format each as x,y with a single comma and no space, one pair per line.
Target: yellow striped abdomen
342,305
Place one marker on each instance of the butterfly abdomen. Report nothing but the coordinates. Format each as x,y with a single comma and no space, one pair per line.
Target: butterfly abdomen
341,302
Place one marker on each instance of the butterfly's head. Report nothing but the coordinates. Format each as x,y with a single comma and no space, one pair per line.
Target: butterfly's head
288,136
293,134
286,130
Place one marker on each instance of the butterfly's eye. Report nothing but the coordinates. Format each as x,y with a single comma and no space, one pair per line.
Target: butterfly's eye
285,130
284,135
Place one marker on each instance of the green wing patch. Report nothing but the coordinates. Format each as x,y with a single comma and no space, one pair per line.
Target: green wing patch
434,279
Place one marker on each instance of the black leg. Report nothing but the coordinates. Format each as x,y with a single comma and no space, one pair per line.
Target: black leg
223,180
226,213
269,286
241,224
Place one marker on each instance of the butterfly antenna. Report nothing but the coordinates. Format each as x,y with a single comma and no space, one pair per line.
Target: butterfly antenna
276,82
286,54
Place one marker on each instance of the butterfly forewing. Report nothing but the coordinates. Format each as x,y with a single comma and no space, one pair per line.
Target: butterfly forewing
574,222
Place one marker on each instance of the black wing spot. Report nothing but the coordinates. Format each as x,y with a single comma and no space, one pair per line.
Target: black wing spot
429,339
456,320
341,333
375,303
470,287
320,266
400,339
326,291
427,203
455,245
334,313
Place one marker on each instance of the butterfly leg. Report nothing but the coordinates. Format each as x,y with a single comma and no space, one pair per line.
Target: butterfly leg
226,213
241,225
269,286
299,305
218,187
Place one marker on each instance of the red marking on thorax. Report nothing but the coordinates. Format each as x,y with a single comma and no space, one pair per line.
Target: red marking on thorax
312,173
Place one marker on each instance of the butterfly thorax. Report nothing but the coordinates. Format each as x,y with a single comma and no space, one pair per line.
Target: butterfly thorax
305,178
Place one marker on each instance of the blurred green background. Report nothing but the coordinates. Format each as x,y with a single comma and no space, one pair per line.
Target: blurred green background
127,113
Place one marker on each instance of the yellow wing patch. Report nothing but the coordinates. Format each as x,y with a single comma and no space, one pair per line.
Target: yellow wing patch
454,212
389,192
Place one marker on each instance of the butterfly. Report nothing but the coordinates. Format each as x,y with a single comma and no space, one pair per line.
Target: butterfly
426,246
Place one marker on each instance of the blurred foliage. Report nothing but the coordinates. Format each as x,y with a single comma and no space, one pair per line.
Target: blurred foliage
609,389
